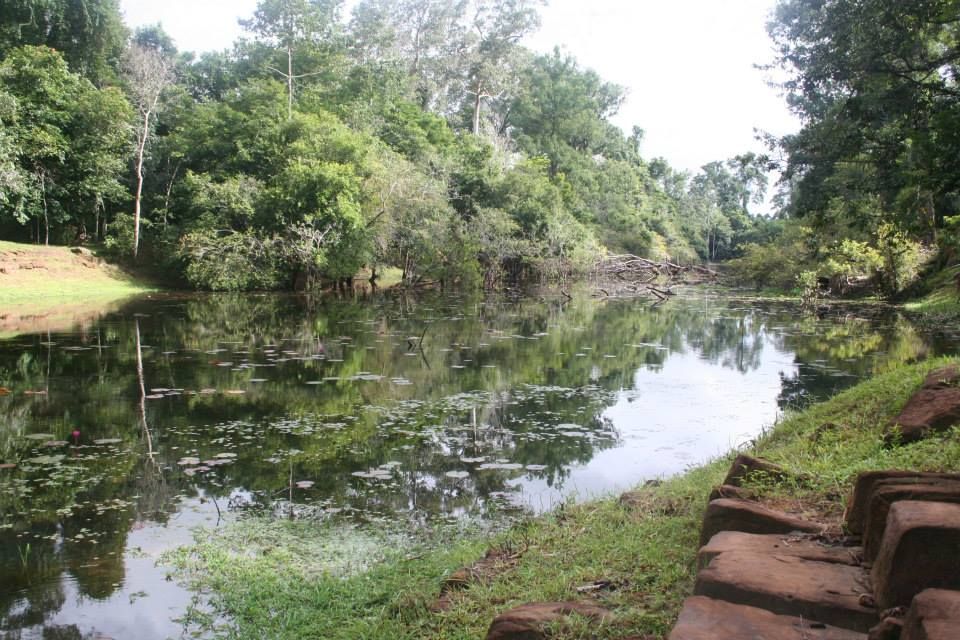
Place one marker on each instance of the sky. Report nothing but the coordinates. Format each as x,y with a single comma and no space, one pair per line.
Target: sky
688,65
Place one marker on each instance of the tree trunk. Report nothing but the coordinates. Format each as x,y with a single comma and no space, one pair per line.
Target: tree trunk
289,83
476,111
141,146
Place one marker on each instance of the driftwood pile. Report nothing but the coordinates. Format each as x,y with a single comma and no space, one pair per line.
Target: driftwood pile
641,275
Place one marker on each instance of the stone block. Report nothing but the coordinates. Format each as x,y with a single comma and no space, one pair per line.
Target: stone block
934,615
707,619
920,550
786,585
527,622
803,546
887,492
864,487
727,514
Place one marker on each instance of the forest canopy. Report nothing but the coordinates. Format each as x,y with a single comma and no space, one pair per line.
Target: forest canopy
423,136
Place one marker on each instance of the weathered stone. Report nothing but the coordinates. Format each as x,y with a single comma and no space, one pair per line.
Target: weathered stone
822,591
920,550
728,514
800,546
744,466
888,629
707,619
934,615
934,407
863,489
527,622
730,491
886,493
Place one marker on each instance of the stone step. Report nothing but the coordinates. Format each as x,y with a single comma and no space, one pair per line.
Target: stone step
728,514
888,492
920,550
868,480
934,615
707,619
804,546
818,591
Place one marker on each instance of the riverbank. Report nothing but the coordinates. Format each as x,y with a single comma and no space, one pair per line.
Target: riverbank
54,288
634,556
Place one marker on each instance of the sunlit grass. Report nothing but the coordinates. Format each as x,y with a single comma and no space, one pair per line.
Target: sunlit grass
283,579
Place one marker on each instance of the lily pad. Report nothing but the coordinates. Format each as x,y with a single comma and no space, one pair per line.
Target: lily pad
46,459
459,475
188,461
39,436
108,441
304,484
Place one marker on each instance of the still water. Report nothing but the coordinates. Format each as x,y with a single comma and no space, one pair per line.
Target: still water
119,437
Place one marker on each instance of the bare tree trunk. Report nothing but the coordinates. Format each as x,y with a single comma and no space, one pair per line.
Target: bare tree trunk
46,219
476,111
289,83
141,146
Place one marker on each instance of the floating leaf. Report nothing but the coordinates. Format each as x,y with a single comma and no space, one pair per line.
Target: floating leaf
46,459
8,465
304,484
225,455
4,391
39,436
234,392
108,441
183,462
459,475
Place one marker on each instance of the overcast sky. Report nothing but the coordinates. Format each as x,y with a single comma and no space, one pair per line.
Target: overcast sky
688,65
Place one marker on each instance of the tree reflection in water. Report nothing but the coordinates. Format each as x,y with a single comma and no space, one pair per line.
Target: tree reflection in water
413,408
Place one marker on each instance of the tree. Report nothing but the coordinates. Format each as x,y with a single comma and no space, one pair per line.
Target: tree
293,25
875,82
148,73
90,35
497,27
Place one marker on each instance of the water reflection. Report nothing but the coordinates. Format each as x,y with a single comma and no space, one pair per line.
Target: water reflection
179,411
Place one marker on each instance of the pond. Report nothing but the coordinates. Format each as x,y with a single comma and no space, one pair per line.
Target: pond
122,435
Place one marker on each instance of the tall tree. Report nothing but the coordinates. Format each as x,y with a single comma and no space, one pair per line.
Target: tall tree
148,72
294,26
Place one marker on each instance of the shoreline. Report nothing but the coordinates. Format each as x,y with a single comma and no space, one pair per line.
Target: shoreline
641,547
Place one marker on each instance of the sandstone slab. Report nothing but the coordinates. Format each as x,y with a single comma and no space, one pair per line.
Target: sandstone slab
825,592
707,619
864,487
920,550
934,615
728,514
527,622
934,407
887,492
745,466
804,546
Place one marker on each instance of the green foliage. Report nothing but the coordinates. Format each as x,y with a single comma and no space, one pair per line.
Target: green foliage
901,259
231,260
419,136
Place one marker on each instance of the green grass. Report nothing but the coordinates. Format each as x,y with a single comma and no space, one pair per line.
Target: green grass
283,579
942,303
35,275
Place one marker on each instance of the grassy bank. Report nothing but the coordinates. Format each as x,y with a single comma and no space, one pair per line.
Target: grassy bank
283,579
54,288
941,302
